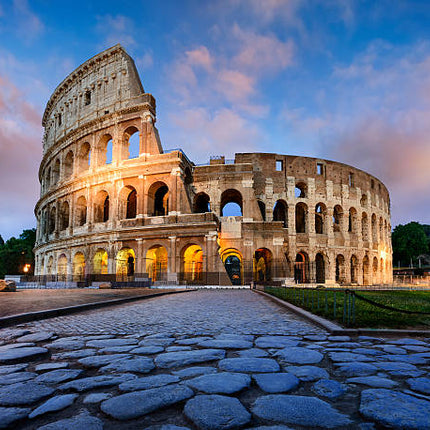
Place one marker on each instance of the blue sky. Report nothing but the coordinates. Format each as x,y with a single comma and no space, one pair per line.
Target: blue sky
337,79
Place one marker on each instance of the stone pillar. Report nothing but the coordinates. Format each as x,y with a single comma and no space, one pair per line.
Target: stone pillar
173,263
140,266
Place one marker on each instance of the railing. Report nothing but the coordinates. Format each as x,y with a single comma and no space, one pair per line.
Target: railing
361,308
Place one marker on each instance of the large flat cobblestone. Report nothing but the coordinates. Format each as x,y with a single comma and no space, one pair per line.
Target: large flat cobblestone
161,363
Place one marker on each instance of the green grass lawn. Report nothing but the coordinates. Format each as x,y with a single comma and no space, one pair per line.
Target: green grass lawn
322,302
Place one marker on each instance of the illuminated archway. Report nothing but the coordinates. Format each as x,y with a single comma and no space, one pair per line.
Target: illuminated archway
50,265
232,260
125,262
100,262
301,268
62,267
78,266
192,264
156,263
262,265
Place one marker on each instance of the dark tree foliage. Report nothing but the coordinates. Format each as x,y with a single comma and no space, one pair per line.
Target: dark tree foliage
409,241
15,253
426,228
1,241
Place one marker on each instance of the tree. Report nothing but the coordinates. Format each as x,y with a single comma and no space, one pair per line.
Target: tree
15,253
1,241
409,241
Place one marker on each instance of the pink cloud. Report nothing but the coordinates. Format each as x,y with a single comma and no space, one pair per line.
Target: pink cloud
20,155
200,57
234,85
29,25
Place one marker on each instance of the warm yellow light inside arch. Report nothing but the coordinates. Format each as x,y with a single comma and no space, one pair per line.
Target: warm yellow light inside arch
79,264
100,262
193,263
156,262
122,261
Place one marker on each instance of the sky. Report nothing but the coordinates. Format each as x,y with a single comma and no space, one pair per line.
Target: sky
346,80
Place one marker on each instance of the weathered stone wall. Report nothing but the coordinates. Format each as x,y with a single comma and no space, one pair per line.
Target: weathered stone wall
98,196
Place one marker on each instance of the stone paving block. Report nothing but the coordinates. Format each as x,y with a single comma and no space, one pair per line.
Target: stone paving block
226,343
308,373
276,382
157,341
194,371
300,355
275,342
13,378
356,369
192,340
410,358
96,397
149,382
101,381
16,355
23,393
372,381
394,409
348,357
138,403
419,384
80,353
54,404
400,369
299,410
106,343
220,383
40,336
407,341
66,343
261,365
182,358
175,348
51,366
9,416
59,375
12,368
102,360
329,388
213,412
135,364
147,350
82,421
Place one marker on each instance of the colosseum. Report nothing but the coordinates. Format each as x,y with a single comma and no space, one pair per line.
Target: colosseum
115,205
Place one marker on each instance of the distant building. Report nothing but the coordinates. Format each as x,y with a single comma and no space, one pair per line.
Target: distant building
114,203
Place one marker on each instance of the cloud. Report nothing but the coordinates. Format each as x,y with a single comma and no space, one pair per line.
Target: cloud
20,154
116,29
222,133
28,24
200,57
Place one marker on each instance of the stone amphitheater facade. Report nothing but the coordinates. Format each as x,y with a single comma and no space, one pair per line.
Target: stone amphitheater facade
114,204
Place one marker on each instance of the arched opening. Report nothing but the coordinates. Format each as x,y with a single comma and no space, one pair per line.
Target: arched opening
100,262
84,157
101,207
131,204
301,211
62,268
366,274
375,271
56,172
319,268
156,263
340,269
81,211
158,199
320,213
280,212
132,142
192,264
300,191
337,218
374,229
64,216
381,229
105,146
68,165
231,203
381,271
232,260
48,178
363,201
78,266
301,268
52,220
354,269
50,265
262,207
364,227
202,203
262,265
125,262
352,221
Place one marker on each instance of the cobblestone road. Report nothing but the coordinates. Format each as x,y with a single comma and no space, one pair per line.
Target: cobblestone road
207,360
